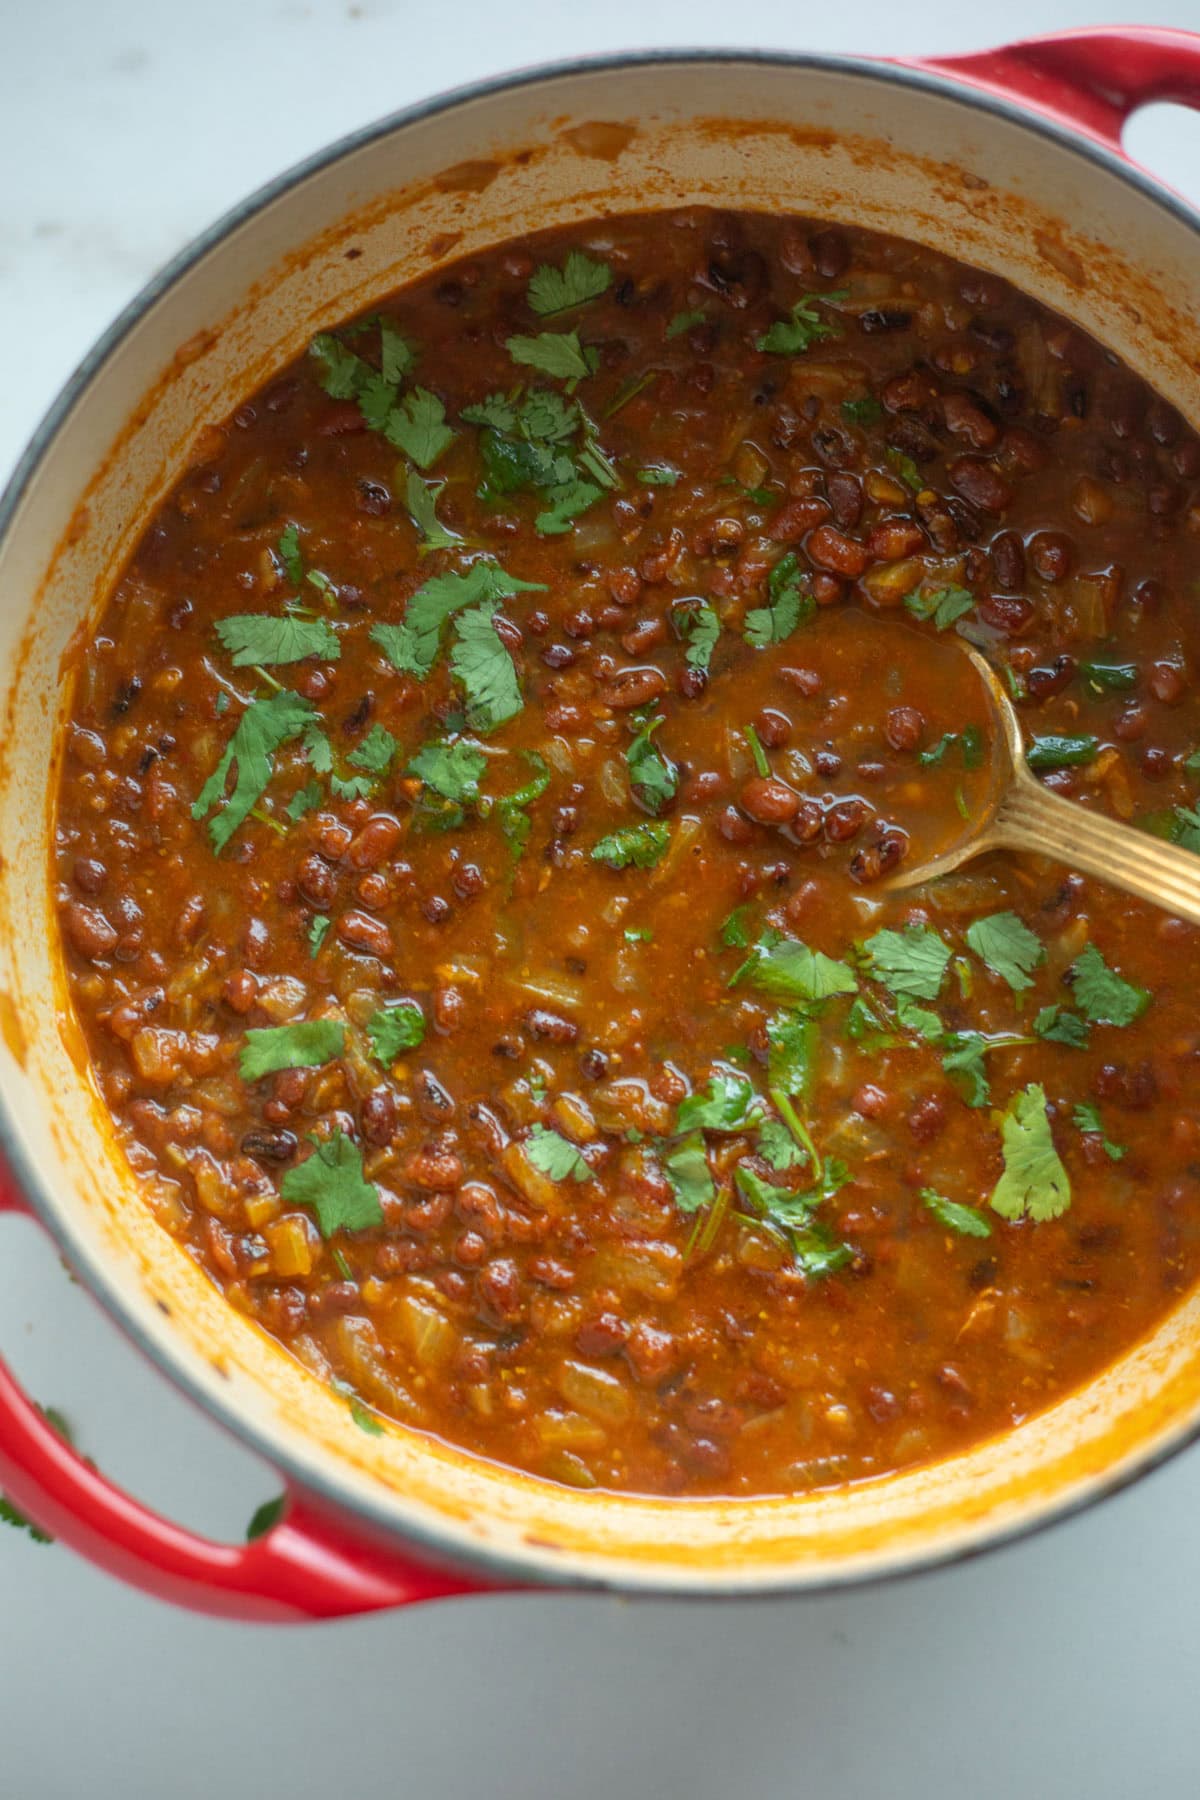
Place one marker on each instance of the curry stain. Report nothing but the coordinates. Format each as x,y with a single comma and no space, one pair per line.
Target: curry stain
602,138
467,178
12,1030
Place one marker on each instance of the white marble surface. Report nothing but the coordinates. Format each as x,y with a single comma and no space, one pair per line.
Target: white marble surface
1063,1667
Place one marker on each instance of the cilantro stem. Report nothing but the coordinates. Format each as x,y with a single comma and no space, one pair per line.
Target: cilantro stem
708,1224
756,750
269,679
629,392
264,818
790,1117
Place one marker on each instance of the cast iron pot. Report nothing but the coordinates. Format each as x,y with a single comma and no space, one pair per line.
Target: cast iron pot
1010,160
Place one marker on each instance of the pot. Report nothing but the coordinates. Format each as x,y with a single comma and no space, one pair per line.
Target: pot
1009,160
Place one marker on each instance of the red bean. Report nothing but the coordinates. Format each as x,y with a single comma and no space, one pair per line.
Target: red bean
359,931
834,551
89,930
768,801
980,483
631,688
904,728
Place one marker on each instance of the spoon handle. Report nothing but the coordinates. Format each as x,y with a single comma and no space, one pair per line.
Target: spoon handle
1030,817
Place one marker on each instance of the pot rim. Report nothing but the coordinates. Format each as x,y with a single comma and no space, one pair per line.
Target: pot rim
440,1545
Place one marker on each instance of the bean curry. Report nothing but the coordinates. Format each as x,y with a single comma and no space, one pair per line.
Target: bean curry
477,802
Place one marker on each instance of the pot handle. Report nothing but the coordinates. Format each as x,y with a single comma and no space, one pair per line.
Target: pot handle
306,1566
1090,80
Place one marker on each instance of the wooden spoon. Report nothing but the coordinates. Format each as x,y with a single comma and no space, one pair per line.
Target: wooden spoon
1023,815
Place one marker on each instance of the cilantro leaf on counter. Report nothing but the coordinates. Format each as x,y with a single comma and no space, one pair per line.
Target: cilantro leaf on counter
265,1517
964,1219
482,662
803,327
789,970
1060,752
331,1182
1034,1182
633,846
412,646
652,775
685,1165
912,961
417,426
731,1104
579,280
943,605
1104,997
1008,947
394,1028
1059,1025
1087,1118
263,728
698,625
254,638
555,1155
789,604
421,498
557,353
302,1046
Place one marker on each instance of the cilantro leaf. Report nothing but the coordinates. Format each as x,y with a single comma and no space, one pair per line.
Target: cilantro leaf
579,280
633,846
1104,996
511,810
789,970
969,742
963,1219
733,933
418,427
262,729
421,498
1034,1181
1060,752
912,961
1008,947
450,770
943,605
395,1028
817,1253
917,1019
375,752
1059,1025
908,472
686,1168
803,327
864,411
395,356
331,1182
342,373
557,353
1109,678
412,646
555,1155
730,1104
789,604
303,1046
288,550
1087,1118
683,321
814,1247
658,475
862,1022
265,1517
777,1147
565,502
303,801
254,638
791,1054
481,661
965,1051
652,776
316,933
698,625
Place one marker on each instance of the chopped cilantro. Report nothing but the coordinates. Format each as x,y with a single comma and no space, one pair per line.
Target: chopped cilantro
777,1147
761,765
303,801
789,604
683,321
421,498
262,729
733,931
375,752
482,662
638,934
1108,677
789,970
1104,996
730,1104
908,472
1034,1182
1008,947
316,933
942,605
412,647
912,961
1087,1118
302,1046
803,327
1059,1025
558,290
686,1168
698,625
658,475
653,777
963,1060
792,1052
451,772
969,742
866,411
331,1182
394,1029
362,1416
288,550
564,503
418,427
511,810
636,846
963,1219
1060,752
917,1019
816,1251
557,353
862,1022
555,1155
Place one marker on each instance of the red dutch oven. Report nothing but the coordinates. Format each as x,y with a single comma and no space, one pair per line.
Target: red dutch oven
1010,160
